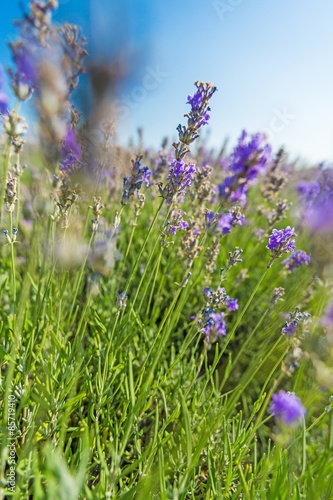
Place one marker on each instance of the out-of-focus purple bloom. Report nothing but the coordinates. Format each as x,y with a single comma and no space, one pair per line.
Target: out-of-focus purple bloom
308,191
232,304
228,220
209,217
249,159
176,222
4,99
215,326
294,320
320,216
25,64
316,199
288,408
289,329
25,76
296,259
183,225
219,323
69,144
327,319
208,292
251,155
214,298
70,151
259,233
220,297
280,241
224,223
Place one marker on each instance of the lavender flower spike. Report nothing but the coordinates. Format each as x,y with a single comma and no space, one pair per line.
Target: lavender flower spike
281,241
180,178
285,406
296,259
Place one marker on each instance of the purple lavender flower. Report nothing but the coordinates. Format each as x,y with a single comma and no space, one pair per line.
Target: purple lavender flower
215,298
209,218
308,191
180,178
215,326
199,114
25,64
69,144
295,319
70,150
196,118
228,220
134,183
316,199
24,79
289,329
249,159
281,241
232,304
285,406
296,259
195,100
183,226
4,100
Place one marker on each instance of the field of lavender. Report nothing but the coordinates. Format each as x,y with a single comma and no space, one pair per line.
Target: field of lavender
166,316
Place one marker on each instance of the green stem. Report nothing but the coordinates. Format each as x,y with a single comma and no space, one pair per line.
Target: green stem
136,264
12,258
79,279
107,353
5,175
240,317
18,191
303,448
243,348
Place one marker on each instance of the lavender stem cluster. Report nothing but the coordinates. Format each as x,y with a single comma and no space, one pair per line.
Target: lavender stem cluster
281,241
133,184
181,173
213,323
250,158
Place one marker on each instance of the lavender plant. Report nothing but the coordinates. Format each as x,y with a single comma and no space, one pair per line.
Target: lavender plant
151,345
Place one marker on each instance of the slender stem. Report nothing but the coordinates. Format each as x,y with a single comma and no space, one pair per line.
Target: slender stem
269,394
135,266
240,317
303,447
5,175
107,353
243,348
79,279
12,253
18,190
154,275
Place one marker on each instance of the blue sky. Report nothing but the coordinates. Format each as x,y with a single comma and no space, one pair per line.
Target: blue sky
270,59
